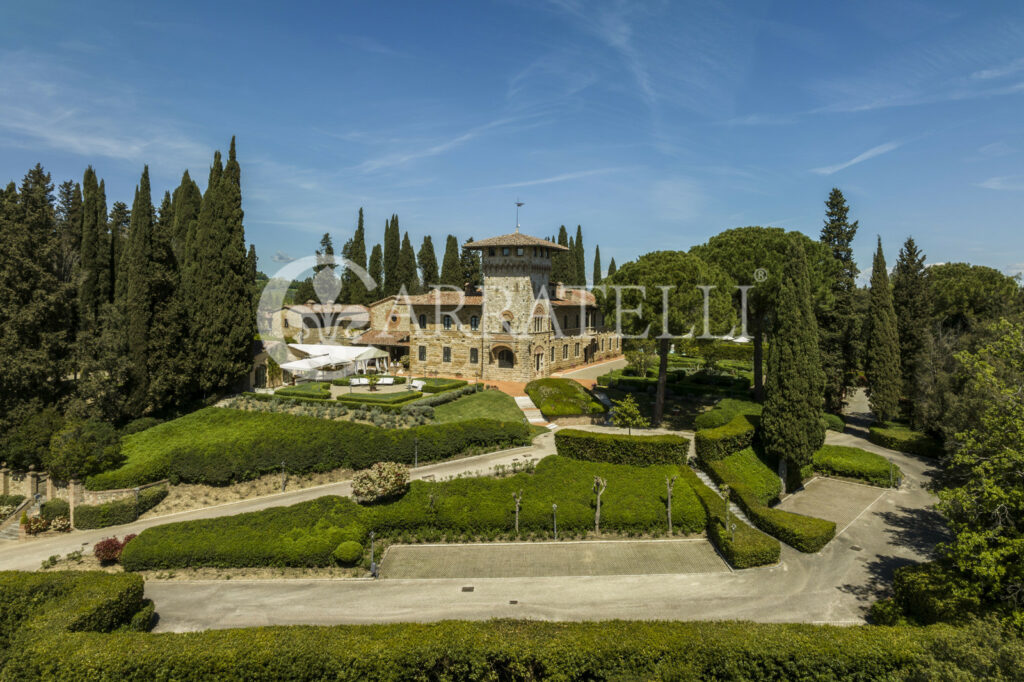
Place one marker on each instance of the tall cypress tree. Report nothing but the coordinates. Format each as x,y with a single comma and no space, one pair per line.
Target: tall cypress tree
912,305
68,216
791,429
376,270
134,295
408,277
352,285
392,249
611,268
471,266
92,261
186,202
120,218
168,362
562,266
838,324
597,264
451,267
883,348
581,262
428,263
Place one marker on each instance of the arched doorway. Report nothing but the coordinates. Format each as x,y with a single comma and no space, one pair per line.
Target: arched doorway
506,359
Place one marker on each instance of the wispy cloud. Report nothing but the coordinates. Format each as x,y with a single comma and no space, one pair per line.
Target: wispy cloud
367,44
869,154
996,149
555,178
1016,66
1005,183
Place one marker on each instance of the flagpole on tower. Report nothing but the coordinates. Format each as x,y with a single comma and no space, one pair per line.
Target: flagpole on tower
518,204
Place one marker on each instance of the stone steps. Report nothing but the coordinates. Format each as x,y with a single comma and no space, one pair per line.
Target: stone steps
533,415
733,508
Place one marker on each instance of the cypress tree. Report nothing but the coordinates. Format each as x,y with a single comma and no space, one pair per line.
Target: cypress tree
838,324
134,295
186,202
69,230
451,266
392,249
120,218
581,263
407,274
376,270
883,348
428,263
791,428
352,285
611,268
912,305
562,261
92,261
597,265
470,264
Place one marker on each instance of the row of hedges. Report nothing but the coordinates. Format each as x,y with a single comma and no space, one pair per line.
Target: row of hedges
621,449
556,397
219,446
901,437
678,381
723,350
345,381
394,398
306,534
436,385
316,389
107,514
725,411
720,442
744,547
745,466
838,460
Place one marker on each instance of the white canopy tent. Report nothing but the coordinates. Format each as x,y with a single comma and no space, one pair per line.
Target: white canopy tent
324,361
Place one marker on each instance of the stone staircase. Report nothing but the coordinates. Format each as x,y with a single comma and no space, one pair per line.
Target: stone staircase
531,411
733,509
10,528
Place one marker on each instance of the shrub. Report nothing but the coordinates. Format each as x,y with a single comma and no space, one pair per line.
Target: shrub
746,467
107,551
61,524
738,434
837,460
218,446
900,437
833,422
930,593
318,390
435,385
621,449
447,396
348,553
53,508
118,512
725,411
82,448
381,481
562,397
142,621
139,425
396,398
36,525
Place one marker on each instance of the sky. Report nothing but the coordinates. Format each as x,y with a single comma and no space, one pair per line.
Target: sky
654,125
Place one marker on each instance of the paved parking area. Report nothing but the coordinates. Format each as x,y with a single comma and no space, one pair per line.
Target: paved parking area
546,559
832,499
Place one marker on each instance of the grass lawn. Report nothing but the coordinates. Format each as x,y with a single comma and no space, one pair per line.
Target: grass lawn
313,389
562,397
483,404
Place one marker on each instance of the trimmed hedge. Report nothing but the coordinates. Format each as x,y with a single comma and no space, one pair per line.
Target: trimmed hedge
317,390
562,398
219,446
52,509
725,411
833,422
746,467
395,398
118,512
738,434
901,437
622,449
435,385
11,500
745,547
306,534
838,460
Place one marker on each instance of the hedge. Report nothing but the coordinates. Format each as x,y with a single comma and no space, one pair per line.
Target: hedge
562,398
306,534
118,512
833,422
52,509
11,500
395,398
622,449
725,411
435,385
345,381
712,444
746,467
319,390
745,547
838,460
900,437
219,446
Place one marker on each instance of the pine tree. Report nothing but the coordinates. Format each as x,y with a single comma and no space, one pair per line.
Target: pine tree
611,268
376,270
883,348
791,428
912,305
392,248
838,324
353,288
451,266
597,265
134,295
428,263
92,261
407,275
581,263
562,261
471,266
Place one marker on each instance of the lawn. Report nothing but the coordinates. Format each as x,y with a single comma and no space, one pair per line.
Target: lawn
313,389
481,405
847,462
562,397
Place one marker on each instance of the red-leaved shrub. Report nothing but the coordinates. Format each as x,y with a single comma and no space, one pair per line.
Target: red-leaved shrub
108,550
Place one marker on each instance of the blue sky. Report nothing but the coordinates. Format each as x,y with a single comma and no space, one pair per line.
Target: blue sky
654,125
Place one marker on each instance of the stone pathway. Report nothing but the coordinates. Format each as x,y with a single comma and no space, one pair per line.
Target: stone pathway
733,509
532,412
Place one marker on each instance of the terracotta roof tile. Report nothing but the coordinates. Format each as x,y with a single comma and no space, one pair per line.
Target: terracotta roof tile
514,239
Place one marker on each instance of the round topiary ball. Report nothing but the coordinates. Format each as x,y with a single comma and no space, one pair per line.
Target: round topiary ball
348,553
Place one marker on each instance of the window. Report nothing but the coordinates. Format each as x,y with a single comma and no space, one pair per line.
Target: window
474,323
506,359
577,349
446,354
286,323
565,321
423,321
538,323
505,251
474,355
423,353
490,251
565,351
394,318
519,251
447,322
552,353
602,344
577,321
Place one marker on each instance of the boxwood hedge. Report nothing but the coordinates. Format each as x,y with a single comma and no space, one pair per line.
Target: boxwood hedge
901,437
437,385
394,398
746,467
725,411
556,397
112,513
712,444
218,446
838,460
621,448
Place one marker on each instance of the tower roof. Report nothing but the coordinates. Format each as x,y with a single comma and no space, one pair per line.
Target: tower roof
514,239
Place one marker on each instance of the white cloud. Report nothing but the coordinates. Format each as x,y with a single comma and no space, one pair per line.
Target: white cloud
869,154
1016,66
1006,183
555,178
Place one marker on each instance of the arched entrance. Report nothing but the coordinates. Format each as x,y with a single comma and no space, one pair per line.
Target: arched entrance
503,357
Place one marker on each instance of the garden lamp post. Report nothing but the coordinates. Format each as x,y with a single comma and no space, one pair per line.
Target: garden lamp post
732,532
725,493
554,517
373,564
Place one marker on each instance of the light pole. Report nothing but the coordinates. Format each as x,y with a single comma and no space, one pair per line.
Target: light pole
554,517
373,564
725,492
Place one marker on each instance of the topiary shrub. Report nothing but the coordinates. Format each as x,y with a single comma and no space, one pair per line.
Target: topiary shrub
718,443
901,437
348,553
838,460
381,481
833,422
620,448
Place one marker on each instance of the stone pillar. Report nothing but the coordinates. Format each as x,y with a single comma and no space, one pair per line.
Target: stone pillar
72,493
5,479
31,482
49,487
